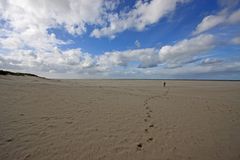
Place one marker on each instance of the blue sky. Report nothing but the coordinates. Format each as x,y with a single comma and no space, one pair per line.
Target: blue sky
121,39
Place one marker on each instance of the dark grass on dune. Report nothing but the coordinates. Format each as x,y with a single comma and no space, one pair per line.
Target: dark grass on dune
2,72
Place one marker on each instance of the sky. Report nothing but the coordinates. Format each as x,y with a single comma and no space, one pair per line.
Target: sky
139,39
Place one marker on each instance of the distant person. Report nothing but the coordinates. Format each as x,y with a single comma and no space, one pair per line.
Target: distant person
164,84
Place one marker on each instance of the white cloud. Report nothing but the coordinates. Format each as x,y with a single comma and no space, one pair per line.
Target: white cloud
144,13
211,61
10,43
30,38
74,60
43,13
76,64
236,40
222,70
26,22
234,17
145,58
68,61
186,49
209,22
137,44
212,21
26,44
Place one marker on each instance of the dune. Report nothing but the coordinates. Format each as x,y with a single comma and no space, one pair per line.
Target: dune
44,119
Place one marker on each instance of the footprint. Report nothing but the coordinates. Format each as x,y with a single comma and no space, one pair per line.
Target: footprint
139,146
145,120
45,118
79,111
149,116
68,122
150,139
151,125
51,126
9,140
146,130
27,156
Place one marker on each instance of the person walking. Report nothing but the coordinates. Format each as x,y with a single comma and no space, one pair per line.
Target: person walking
164,84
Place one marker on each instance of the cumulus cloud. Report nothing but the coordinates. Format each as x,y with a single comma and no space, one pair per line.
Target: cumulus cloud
67,69
144,13
73,15
145,58
26,43
74,60
25,24
221,18
185,50
75,63
30,38
225,69
57,61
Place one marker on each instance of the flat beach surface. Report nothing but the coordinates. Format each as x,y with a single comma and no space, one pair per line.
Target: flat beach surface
44,119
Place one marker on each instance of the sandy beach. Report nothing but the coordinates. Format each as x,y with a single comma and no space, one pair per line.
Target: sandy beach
43,119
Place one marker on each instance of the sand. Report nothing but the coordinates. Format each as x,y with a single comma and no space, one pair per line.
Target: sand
44,119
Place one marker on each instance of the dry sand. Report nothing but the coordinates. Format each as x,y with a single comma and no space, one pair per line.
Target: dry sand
118,119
